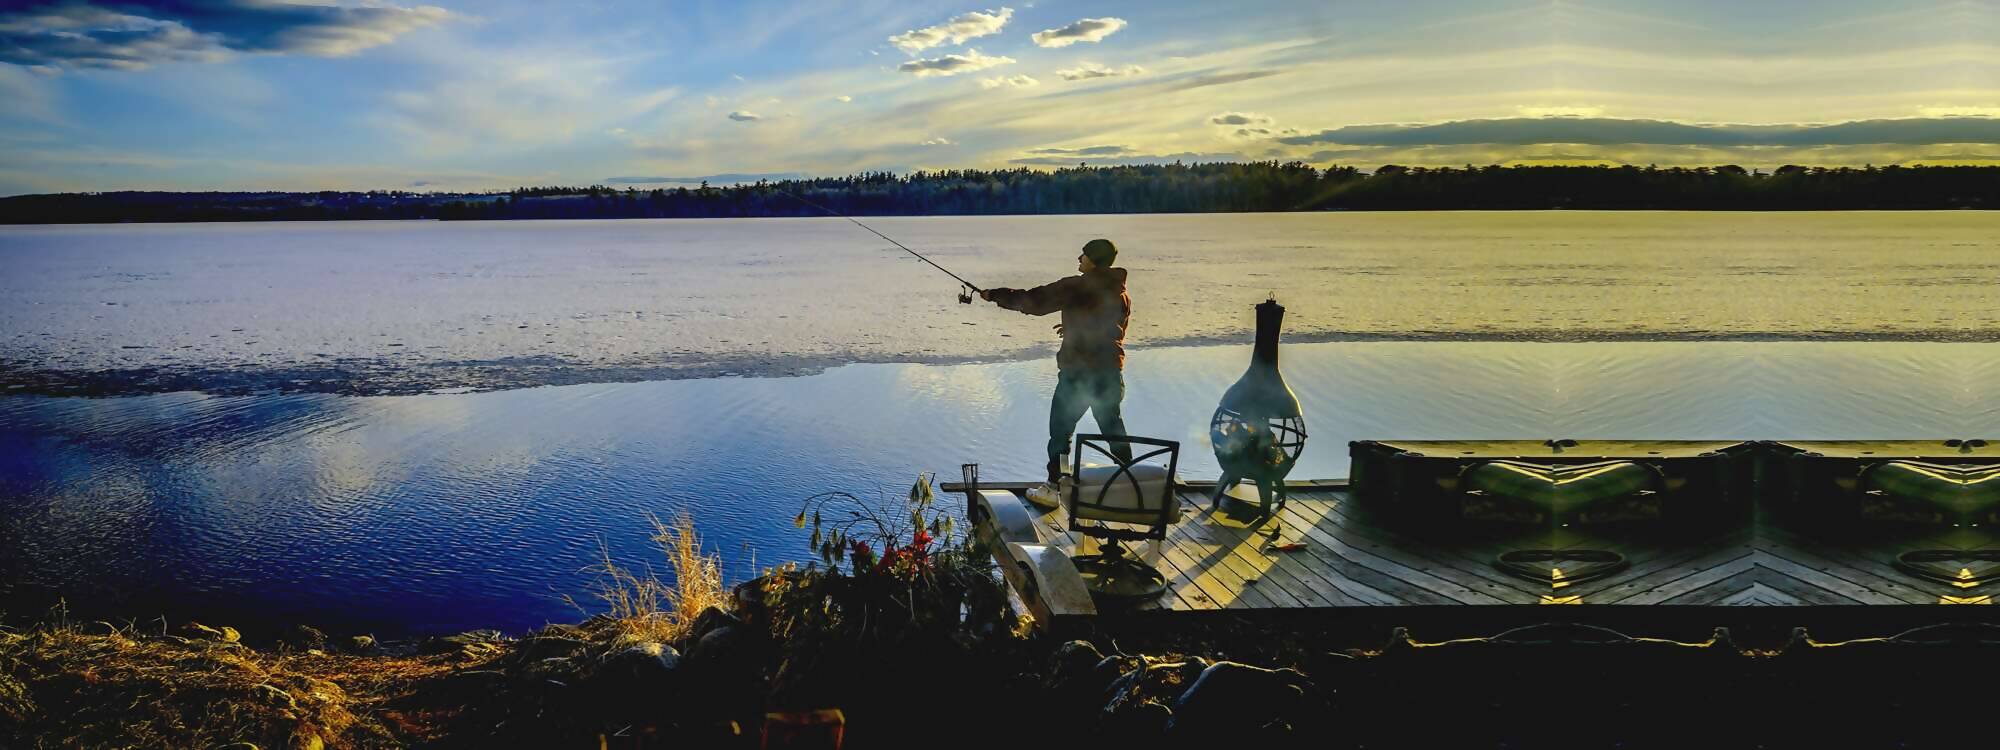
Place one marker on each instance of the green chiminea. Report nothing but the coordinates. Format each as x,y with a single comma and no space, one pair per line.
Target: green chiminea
1258,430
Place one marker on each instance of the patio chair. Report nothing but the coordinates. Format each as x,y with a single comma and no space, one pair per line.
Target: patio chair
1125,501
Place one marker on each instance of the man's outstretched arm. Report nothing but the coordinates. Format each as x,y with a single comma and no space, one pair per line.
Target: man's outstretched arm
1041,300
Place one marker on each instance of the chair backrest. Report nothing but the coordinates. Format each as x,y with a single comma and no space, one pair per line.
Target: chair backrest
1139,491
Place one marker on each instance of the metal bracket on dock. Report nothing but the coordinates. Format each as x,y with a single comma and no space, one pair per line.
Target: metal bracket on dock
998,517
1047,582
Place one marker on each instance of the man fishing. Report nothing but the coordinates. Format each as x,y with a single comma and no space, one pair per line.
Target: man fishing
1090,366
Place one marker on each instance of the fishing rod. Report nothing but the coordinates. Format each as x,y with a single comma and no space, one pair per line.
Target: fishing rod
963,297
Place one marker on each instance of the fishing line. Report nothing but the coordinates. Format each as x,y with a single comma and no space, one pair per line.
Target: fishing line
965,298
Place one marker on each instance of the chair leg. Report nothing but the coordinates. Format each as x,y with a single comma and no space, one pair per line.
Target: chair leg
1114,575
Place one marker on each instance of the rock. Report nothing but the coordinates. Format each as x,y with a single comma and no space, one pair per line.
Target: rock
647,669
274,696
707,622
1150,682
644,658
1073,666
750,598
362,644
718,644
731,655
547,645
1108,671
304,638
1230,699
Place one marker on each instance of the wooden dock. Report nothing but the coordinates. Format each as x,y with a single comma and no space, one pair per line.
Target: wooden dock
1343,558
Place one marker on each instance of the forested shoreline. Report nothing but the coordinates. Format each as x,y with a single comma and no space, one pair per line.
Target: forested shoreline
1162,188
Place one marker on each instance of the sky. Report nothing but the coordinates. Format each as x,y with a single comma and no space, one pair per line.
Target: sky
269,95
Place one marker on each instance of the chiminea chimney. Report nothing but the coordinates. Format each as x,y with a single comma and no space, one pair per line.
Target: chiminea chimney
1270,318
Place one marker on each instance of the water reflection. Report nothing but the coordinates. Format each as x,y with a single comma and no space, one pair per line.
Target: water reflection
428,513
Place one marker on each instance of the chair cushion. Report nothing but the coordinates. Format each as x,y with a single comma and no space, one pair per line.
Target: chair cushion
1121,502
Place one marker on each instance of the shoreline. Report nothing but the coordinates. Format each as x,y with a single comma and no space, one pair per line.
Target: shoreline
1374,210
383,376
724,679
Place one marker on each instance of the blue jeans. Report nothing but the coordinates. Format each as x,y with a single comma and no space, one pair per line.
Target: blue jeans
1099,392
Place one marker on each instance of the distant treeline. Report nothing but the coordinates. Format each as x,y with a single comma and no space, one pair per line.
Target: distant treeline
1163,188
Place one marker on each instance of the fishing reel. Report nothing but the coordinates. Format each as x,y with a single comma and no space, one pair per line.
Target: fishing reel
965,295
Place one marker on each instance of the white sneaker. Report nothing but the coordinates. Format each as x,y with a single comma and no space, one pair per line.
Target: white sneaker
1045,495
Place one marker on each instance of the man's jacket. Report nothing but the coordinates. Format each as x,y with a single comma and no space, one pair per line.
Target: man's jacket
1095,310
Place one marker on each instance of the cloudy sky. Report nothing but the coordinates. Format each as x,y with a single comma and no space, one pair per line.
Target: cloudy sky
261,94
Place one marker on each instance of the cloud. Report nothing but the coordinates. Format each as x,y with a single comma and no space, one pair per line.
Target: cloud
940,141
1560,111
1089,70
1084,151
28,96
742,116
951,65
1240,118
1221,79
970,25
728,178
1763,157
1959,111
1128,159
843,98
1605,131
1086,30
1019,82
539,97
132,36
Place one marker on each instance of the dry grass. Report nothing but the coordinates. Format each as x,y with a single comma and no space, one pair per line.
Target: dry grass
642,606
65,686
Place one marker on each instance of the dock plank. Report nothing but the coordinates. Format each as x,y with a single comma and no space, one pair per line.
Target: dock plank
1824,579
1215,559
1621,590
1316,522
1698,581
1272,572
1423,554
1352,558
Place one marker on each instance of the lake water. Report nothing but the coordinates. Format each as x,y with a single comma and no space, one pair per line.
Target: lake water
428,513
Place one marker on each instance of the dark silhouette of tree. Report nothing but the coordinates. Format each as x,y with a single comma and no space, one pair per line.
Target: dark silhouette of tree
1153,188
